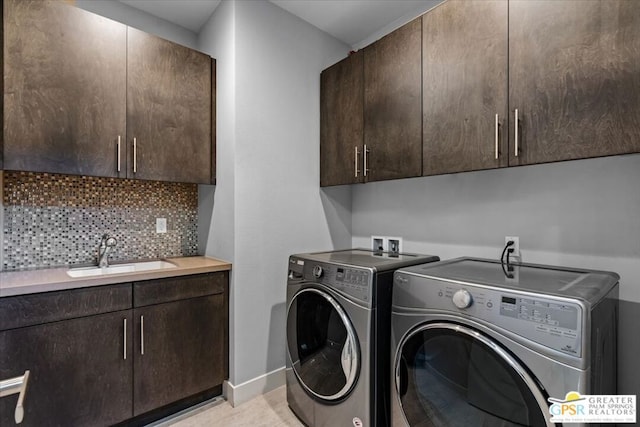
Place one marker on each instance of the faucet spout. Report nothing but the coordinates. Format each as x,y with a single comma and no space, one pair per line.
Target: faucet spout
106,244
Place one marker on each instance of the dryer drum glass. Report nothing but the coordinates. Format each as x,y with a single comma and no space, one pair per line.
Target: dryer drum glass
452,379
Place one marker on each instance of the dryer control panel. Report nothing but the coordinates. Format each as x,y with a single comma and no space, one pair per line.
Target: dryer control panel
554,322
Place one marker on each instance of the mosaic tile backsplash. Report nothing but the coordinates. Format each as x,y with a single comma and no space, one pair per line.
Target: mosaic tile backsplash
55,220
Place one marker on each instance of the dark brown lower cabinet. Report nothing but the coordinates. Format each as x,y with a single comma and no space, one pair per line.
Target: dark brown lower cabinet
78,372
104,355
178,351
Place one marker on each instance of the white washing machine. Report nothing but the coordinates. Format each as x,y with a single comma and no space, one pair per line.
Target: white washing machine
338,332
477,345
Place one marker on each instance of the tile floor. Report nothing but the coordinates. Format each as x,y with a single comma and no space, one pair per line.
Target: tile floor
268,410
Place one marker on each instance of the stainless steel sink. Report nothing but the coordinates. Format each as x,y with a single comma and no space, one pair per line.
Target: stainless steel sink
120,268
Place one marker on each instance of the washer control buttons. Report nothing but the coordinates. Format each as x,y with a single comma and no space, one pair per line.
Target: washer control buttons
462,298
317,271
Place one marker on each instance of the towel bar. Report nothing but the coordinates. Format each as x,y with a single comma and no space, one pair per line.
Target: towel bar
14,386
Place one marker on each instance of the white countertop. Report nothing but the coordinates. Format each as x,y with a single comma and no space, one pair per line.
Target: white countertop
55,279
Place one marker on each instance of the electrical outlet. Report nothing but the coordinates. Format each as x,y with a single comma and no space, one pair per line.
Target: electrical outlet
516,245
378,243
395,245
161,225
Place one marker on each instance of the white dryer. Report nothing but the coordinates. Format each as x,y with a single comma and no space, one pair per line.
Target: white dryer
476,345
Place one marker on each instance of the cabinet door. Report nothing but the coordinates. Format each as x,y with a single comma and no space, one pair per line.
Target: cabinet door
79,375
465,86
64,89
168,110
574,74
179,350
341,122
393,104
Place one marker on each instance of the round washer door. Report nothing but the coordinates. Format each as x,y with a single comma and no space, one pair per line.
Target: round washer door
322,345
451,375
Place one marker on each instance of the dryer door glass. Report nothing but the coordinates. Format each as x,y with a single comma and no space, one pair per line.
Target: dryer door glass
450,375
322,345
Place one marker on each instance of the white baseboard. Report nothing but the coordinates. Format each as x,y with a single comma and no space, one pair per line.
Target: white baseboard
241,393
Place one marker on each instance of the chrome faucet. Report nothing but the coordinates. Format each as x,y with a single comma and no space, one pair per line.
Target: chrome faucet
106,244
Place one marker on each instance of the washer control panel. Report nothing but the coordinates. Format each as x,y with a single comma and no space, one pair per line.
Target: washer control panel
553,322
356,282
462,298
317,271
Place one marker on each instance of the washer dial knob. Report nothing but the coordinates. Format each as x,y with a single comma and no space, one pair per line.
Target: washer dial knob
317,271
462,298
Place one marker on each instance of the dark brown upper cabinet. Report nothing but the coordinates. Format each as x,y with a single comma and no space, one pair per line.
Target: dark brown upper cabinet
502,83
64,89
393,105
464,45
168,110
85,95
572,82
574,79
341,122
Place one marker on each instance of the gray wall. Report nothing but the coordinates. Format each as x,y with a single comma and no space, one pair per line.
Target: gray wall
583,213
421,7
267,203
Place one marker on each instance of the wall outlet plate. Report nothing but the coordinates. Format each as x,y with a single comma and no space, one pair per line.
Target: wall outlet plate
379,243
161,225
395,245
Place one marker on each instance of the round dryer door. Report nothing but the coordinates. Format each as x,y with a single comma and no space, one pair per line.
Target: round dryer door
451,375
322,345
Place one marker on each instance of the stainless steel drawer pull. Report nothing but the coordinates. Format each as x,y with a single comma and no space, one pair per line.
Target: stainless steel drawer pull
118,153
14,386
355,160
366,151
497,136
141,334
135,156
124,352
516,132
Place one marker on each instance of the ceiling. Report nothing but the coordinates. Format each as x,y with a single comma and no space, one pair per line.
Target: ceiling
351,21
189,14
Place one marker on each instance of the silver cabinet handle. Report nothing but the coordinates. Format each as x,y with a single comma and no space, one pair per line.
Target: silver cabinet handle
124,328
14,386
118,153
355,161
141,334
497,136
516,132
365,152
135,156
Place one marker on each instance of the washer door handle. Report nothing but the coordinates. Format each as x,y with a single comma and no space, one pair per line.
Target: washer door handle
347,357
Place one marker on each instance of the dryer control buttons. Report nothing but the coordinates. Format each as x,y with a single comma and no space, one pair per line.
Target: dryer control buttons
317,271
462,298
